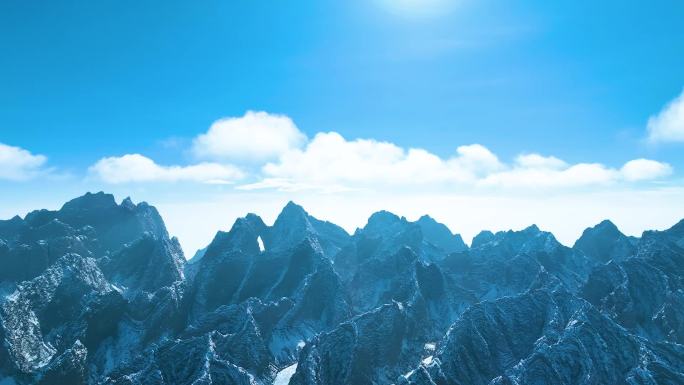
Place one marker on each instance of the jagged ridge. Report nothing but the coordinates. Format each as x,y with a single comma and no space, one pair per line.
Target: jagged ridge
99,293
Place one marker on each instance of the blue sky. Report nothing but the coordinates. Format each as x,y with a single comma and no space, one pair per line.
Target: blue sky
572,81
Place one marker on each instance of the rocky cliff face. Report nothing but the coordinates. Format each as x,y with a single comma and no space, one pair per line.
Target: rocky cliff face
545,336
604,242
99,293
645,292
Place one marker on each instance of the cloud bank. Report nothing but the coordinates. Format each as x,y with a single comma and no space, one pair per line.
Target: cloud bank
268,152
18,164
132,168
331,160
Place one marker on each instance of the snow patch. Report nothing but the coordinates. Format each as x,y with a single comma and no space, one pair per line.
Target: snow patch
283,376
261,243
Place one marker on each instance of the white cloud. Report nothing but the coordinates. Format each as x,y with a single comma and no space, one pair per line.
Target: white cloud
138,168
645,169
534,170
578,175
331,159
668,125
474,160
279,157
254,137
540,162
329,162
287,185
18,164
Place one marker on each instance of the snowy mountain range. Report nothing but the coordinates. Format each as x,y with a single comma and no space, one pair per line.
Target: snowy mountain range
99,293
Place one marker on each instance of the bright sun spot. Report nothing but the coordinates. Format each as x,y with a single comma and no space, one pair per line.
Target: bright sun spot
418,8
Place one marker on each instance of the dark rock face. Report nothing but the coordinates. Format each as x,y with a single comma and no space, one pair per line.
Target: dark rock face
76,278
558,339
69,367
645,292
148,264
92,225
440,235
293,225
366,349
604,242
98,293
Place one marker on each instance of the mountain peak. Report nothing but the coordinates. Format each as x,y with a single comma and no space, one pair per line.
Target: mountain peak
242,236
251,223
291,226
291,211
383,217
440,235
604,242
384,222
292,207
481,238
256,222
426,219
604,228
128,204
606,224
291,214
91,201
384,214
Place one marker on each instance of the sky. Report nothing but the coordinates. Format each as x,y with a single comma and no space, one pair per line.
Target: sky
484,114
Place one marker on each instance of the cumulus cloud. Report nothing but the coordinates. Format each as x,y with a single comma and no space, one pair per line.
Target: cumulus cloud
474,160
331,159
534,170
138,168
645,169
537,161
277,156
254,137
668,124
18,164
331,162
578,175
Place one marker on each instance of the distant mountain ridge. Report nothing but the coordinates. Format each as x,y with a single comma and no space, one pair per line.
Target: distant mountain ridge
99,293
